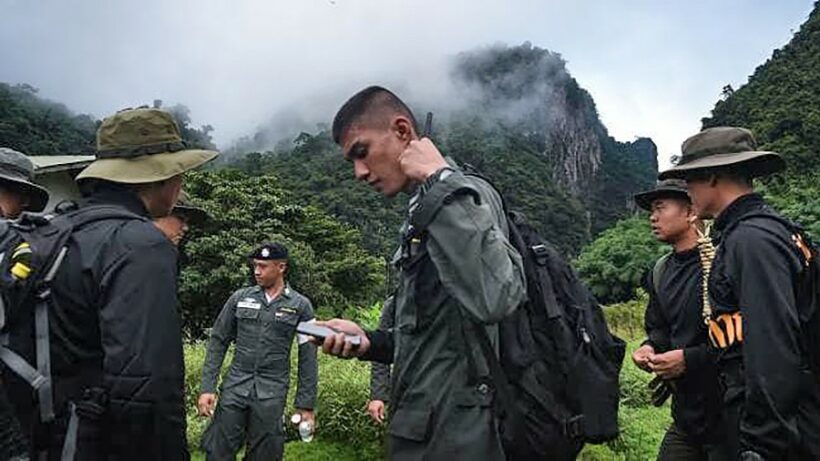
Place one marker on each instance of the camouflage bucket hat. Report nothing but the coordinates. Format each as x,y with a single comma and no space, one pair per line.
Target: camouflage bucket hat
141,146
663,189
186,208
722,147
16,170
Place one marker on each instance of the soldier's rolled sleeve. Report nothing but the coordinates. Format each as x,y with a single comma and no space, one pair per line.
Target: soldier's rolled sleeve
764,268
308,367
222,333
476,262
380,372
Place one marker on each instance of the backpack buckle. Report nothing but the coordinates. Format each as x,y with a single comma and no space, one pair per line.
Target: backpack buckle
539,250
574,427
541,253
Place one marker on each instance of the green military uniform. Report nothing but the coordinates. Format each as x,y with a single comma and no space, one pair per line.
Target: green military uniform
455,263
254,391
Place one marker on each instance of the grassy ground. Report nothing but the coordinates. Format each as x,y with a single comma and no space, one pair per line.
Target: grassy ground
346,433
317,450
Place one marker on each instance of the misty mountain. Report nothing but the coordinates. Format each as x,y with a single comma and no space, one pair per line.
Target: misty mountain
516,115
36,126
513,113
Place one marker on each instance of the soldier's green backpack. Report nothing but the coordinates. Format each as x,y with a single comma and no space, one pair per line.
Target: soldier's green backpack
556,377
31,252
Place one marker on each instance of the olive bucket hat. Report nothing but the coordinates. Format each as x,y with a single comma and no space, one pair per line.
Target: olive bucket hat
724,146
663,189
186,208
140,146
17,170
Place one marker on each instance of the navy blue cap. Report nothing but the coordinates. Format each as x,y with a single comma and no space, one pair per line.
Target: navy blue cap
270,251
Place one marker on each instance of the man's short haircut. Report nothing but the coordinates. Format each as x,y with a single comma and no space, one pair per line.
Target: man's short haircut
374,103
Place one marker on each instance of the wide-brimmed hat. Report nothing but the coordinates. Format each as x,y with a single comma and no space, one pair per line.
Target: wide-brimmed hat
186,208
722,147
140,146
663,189
18,171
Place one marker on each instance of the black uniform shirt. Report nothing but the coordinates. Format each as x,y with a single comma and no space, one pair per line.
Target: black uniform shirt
674,321
756,327
115,324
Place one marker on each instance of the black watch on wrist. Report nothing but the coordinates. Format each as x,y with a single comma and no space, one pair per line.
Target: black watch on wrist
440,174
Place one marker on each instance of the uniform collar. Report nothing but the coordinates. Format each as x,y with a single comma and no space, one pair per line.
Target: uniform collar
746,204
287,292
686,255
106,193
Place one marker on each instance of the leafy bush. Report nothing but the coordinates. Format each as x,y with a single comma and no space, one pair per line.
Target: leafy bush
327,265
613,264
626,319
798,198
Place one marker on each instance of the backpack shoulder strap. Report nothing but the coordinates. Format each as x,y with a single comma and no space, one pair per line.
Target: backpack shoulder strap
766,214
658,270
434,199
51,233
93,213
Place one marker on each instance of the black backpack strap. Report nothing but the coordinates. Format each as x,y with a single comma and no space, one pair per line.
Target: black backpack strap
444,193
572,425
505,404
63,226
657,272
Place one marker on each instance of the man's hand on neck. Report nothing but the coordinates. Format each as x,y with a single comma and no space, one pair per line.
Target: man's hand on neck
420,160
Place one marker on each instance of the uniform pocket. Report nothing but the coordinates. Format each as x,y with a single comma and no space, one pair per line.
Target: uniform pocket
246,313
286,318
411,424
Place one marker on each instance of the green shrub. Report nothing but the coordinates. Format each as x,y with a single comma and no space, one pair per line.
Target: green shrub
626,319
327,264
614,263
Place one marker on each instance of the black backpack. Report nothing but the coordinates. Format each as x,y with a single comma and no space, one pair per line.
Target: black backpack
31,252
556,379
807,290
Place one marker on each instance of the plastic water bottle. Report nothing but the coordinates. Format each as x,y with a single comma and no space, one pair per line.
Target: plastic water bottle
306,431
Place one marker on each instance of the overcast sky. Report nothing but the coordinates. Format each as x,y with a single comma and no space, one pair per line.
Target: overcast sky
653,67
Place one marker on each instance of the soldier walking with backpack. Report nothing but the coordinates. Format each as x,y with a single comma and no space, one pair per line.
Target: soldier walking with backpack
18,193
462,266
760,306
676,348
105,322
498,351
